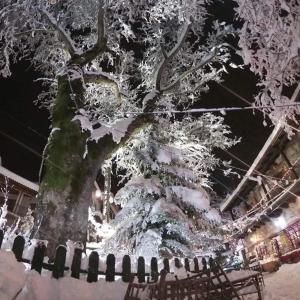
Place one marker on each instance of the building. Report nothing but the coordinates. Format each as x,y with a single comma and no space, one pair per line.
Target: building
265,206
20,193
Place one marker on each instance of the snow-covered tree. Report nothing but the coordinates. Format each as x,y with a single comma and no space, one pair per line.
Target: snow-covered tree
165,208
101,59
4,190
22,225
270,44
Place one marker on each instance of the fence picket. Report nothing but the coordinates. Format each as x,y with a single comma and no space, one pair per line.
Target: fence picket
59,262
187,265
93,267
38,257
1,237
110,267
166,265
76,263
141,269
154,269
204,264
126,268
58,267
177,262
18,247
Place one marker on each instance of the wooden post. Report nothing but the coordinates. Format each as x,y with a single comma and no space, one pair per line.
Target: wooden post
161,294
211,263
126,268
110,267
187,264
76,263
59,262
18,247
289,164
154,269
141,269
265,191
93,267
245,260
196,265
166,265
1,237
38,257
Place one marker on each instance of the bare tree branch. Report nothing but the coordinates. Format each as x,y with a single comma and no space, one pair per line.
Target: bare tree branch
62,33
21,33
100,45
106,78
204,62
100,24
171,54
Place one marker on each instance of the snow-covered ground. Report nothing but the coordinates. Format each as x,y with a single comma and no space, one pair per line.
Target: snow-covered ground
20,284
283,284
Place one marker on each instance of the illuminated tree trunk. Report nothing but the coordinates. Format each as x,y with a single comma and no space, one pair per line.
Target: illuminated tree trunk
107,190
66,187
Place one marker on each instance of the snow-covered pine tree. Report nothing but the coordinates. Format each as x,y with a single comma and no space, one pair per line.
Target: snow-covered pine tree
165,208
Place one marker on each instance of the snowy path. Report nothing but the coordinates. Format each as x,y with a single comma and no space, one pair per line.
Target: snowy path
281,285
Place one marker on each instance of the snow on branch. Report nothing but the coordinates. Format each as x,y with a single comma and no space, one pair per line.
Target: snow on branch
104,78
269,43
168,56
101,42
118,129
100,24
207,59
62,33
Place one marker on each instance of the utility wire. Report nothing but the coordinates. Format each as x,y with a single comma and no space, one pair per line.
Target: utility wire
24,125
255,107
36,153
206,110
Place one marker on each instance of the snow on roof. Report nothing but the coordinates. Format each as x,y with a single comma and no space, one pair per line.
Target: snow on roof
19,179
269,143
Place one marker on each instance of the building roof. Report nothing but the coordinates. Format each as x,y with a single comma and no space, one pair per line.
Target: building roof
271,141
26,183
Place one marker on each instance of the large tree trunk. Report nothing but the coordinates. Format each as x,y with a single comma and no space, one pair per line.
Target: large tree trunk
66,188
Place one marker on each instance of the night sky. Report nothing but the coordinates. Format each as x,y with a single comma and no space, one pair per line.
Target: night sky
21,120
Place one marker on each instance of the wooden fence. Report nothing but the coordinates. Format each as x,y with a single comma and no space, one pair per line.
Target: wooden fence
58,267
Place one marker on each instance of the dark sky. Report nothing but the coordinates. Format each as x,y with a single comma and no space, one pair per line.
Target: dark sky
19,117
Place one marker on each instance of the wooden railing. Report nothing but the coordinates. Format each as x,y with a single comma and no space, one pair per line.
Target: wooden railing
58,267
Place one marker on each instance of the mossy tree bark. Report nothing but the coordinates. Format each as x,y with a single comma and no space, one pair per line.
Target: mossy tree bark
66,187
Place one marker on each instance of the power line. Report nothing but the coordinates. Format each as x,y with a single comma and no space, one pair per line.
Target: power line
207,110
256,107
24,125
36,153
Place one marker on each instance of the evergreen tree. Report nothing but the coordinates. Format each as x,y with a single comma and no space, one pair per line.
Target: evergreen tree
165,208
